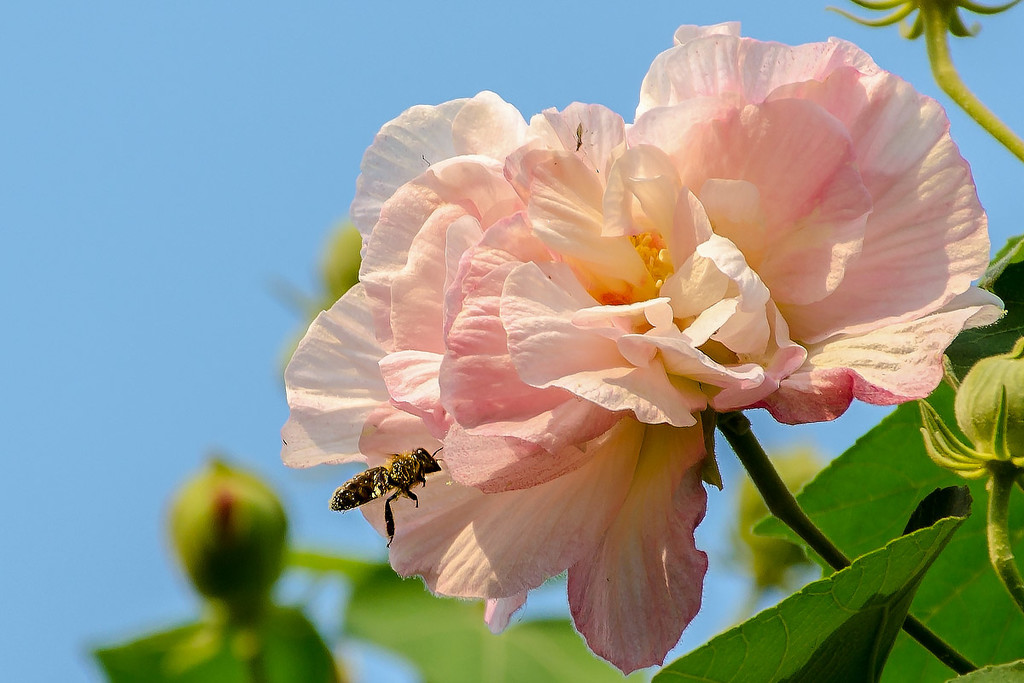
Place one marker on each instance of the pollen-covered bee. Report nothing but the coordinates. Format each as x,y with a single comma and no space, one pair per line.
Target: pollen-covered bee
401,472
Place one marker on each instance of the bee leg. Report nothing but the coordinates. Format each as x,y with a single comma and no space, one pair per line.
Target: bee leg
412,495
389,518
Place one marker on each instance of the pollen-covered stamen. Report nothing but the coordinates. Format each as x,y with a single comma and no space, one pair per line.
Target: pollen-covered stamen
658,262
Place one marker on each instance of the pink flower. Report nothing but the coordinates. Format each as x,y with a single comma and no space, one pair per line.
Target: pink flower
557,301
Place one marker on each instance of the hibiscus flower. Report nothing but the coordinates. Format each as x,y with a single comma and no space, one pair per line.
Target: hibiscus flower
556,302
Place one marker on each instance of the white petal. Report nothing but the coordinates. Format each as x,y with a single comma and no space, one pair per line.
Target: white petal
404,148
333,383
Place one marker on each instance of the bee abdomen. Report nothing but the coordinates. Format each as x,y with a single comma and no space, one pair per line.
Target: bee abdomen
364,487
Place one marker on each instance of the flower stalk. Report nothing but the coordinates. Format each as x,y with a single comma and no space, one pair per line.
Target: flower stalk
935,20
780,501
1000,549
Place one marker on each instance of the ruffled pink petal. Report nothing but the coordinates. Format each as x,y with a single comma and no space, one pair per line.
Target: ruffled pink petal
889,365
482,390
564,200
469,544
690,227
389,430
498,612
688,32
333,384
643,187
479,384
494,463
407,248
926,238
537,308
489,126
601,134
411,379
780,359
404,148
424,135
632,598
813,205
742,70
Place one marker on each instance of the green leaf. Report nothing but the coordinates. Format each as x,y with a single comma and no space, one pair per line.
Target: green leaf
446,639
193,653
1006,277
323,563
840,628
862,500
1011,252
295,651
1005,673
204,651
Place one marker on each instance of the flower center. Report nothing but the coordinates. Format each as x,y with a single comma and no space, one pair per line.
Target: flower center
658,262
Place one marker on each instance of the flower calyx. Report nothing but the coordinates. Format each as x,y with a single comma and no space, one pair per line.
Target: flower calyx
989,410
902,9
990,405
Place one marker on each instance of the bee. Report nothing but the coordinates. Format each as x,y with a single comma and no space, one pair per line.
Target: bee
579,136
400,473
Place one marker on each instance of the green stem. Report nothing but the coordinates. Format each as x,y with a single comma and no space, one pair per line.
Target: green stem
936,20
780,501
1000,550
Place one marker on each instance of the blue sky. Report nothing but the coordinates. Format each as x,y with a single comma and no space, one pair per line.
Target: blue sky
163,164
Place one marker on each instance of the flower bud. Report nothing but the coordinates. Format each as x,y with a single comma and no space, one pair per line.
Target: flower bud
340,266
229,530
990,405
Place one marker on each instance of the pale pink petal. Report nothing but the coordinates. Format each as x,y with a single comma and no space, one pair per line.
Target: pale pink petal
643,187
746,330
333,384
388,430
469,544
417,290
704,67
463,235
686,33
564,206
690,366
479,384
601,133
408,246
926,238
498,612
782,357
488,125
536,311
690,227
404,148
496,463
889,365
723,66
411,379
632,598
813,205
482,390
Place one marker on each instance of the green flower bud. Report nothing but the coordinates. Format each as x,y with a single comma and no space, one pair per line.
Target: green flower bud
340,265
229,530
990,405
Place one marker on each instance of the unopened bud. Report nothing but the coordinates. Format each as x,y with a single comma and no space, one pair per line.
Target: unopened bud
990,405
229,530
340,266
